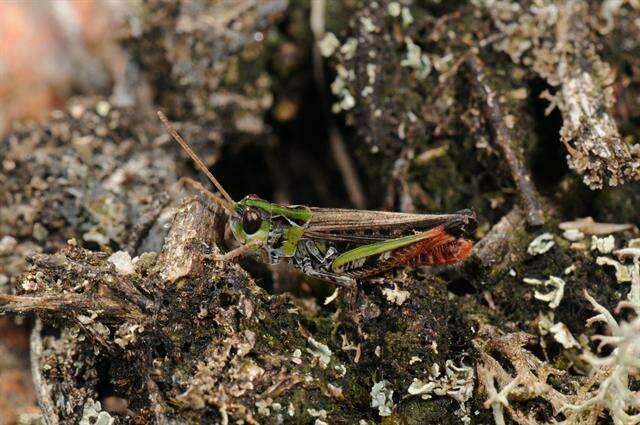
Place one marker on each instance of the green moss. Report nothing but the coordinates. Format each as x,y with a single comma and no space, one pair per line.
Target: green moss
415,411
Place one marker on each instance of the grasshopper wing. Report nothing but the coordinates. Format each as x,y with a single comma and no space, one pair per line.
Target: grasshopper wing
361,227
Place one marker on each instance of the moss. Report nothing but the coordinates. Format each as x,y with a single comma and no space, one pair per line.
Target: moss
415,411
618,205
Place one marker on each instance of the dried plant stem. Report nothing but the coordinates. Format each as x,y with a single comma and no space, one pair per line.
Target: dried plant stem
529,197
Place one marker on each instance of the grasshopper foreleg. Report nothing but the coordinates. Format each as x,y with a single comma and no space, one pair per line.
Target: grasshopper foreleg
236,252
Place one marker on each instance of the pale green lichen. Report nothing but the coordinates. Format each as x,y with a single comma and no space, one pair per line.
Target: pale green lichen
128,334
328,44
603,245
348,49
609,388
339,89
317,413
332,297
623,273
395,295
319,350
394,9
93,414
407,17
341,369
457,383
562,334
371,72
573,235
262,409
613,371
541,244
382,397
367,24
416,60
122,262
552,297
102,108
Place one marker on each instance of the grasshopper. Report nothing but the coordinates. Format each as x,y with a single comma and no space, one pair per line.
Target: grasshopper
337,245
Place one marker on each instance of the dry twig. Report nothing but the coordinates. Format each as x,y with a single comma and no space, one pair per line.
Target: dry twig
529,197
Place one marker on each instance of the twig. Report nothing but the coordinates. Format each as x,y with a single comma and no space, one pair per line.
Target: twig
564,52
345,165
112,309
399,175
529,197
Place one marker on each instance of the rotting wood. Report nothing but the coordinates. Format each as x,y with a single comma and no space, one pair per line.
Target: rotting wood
191,236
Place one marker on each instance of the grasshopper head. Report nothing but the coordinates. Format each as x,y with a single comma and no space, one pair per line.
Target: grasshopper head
251,222
279,227
250,219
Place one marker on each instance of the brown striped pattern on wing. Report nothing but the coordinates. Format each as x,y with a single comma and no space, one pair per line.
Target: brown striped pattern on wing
363,227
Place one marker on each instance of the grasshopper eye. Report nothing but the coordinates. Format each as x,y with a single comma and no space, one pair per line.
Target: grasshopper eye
251,221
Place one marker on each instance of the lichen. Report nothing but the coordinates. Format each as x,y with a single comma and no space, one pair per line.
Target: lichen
603,245
382,398
396,295
557,42
456,382
328,44
94,415
122,262
623,273
541,244
320,350
553,297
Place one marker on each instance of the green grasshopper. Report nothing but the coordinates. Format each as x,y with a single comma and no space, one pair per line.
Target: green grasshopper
337,245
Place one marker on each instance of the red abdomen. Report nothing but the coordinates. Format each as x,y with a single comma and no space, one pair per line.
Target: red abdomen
448,253
440,248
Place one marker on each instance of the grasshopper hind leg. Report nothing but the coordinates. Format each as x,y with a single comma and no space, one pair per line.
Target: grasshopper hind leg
337,279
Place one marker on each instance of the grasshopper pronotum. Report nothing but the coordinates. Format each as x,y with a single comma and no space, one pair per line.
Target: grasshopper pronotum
338,245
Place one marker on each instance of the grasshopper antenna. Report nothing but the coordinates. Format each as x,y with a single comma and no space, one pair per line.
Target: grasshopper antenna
227,203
